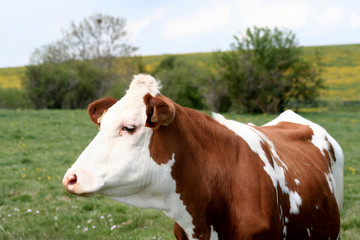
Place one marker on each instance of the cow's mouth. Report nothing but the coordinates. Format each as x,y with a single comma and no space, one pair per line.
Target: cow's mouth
72,186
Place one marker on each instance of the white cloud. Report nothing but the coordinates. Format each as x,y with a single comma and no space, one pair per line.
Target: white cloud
281,14
208,18
329,16
136,26
355,20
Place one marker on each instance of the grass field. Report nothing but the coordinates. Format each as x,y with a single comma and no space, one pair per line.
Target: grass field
341,70
37,147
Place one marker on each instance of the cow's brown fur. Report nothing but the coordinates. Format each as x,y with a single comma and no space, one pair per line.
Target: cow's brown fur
223,184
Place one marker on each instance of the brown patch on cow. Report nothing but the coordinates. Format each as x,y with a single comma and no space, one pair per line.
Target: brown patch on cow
96,109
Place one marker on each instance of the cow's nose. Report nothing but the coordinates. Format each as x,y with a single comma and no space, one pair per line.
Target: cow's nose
69,182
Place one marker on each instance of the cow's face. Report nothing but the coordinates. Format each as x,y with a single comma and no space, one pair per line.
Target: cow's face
117,162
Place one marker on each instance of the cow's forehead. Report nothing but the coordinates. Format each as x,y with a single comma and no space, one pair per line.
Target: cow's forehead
132,104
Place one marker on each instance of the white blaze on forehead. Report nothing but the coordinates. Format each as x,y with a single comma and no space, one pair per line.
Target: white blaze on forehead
132,104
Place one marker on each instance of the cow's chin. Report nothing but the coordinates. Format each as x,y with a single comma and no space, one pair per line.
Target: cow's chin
87,195
81,193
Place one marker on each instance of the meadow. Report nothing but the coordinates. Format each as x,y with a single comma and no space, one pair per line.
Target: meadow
38,146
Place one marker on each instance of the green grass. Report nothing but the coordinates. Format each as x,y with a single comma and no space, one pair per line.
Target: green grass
37,147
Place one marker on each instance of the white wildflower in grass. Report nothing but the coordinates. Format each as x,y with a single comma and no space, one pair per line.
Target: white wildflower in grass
56,218
85,229
9,215
29,211
113,227
78,226
16,209
89,221
102,217
37,212
110,220
109,216
93,227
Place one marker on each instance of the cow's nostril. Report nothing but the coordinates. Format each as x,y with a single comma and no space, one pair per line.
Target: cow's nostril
72,180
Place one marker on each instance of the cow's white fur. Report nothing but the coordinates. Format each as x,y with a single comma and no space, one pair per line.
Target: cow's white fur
120,165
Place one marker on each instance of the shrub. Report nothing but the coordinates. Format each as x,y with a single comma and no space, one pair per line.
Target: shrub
67,85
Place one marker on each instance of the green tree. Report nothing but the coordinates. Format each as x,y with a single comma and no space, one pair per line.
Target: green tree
265,70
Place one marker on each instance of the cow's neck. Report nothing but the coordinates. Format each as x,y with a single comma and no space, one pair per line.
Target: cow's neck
193,139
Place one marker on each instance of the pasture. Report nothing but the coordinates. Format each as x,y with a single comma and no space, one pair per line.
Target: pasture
37,147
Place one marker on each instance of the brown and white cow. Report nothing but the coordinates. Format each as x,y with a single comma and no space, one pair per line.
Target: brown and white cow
217,178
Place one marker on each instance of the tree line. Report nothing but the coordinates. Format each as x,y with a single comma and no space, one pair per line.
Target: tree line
263,71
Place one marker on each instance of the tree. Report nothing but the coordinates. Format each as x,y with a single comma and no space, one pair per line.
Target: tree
265,70
72,84
96,41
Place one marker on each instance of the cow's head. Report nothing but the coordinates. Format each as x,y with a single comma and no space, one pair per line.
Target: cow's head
117,162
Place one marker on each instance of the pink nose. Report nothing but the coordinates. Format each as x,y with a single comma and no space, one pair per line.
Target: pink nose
69,182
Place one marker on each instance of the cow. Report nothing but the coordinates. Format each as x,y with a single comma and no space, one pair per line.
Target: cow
217,178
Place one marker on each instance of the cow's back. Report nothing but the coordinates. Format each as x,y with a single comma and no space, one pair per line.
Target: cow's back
305,165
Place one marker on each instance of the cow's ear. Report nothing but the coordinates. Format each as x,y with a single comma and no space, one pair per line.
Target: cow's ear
159,110
98,108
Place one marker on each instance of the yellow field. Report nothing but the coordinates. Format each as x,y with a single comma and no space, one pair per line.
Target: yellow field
11,77
340,64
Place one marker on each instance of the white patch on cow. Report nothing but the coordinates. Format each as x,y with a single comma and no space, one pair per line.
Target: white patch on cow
286,220
254,139
330,180
284,232
297,181
295,202
213,234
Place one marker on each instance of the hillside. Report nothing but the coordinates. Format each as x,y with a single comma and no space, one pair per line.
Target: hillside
341,70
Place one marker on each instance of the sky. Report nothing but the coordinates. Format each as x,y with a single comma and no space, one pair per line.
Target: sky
176,26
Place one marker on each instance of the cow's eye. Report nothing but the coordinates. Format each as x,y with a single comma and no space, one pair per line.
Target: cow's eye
128,128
